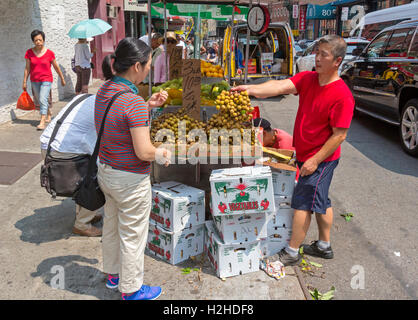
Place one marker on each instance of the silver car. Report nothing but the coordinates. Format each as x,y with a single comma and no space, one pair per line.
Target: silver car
306,61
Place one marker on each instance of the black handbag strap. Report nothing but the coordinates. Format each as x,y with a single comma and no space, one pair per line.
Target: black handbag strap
61,120
95,154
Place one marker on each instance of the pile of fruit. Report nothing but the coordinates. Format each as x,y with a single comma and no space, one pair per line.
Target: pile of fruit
234,113
208,92
210,70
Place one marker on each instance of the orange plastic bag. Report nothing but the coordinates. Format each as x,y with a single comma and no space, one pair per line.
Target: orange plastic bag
25,102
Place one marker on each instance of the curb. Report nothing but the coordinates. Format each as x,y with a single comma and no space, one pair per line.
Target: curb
302,283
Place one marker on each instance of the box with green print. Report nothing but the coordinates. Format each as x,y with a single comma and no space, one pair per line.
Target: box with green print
241,228
176,206
230,259
175,247
243,190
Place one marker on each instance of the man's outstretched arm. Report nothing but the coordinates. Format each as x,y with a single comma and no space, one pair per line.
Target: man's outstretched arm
268,89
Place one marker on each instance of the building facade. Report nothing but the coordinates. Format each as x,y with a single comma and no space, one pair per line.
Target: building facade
17,20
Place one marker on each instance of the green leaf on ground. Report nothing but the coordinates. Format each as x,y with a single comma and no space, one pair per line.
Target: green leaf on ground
318,265
185,271
347,216
328,295
316,295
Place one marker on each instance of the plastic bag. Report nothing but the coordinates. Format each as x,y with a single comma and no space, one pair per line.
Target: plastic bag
25,102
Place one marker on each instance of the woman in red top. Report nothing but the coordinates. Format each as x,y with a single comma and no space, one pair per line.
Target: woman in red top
38,66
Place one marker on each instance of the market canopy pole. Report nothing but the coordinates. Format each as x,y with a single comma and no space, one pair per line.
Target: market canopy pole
165,39
197,35
149,41
231,41
247,47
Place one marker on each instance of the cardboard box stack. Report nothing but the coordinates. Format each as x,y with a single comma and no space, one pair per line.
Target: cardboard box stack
241,200
279,223
177,221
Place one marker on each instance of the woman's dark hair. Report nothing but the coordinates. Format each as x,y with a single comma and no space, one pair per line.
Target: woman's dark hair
37,33
128,52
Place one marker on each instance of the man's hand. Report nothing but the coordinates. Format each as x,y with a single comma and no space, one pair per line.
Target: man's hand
157,99
242,88
63,82
309,167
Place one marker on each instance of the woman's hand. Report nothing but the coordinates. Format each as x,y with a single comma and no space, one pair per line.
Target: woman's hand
157,99
242,88
63,82
163,156
24,86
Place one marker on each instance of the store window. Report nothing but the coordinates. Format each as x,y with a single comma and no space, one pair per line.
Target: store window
399,43
377,47
413,53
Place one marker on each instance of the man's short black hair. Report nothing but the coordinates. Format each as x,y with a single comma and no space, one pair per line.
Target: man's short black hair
37,33
262,123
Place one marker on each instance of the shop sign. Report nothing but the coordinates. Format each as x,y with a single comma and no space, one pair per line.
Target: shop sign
278,13
133,5
344,14
295,12
320,12
302,18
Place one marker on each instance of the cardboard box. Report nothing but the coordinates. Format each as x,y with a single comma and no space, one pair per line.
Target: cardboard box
283,174
277,239
282,217
282,202
241,228
230,259
175,247
176,206
242,190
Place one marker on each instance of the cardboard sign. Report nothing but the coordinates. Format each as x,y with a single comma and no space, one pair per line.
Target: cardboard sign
176,63
191,87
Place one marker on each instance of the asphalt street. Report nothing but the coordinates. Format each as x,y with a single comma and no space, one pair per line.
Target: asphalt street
376,251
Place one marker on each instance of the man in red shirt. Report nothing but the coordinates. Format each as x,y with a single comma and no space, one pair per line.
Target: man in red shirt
324,115
274,138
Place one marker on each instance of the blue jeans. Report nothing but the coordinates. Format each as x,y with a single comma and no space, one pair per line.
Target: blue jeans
41,92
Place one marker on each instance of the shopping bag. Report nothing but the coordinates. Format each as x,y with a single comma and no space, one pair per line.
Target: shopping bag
25,102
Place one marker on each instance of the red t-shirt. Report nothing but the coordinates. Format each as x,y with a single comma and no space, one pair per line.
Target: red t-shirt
320,109
283,140
40,68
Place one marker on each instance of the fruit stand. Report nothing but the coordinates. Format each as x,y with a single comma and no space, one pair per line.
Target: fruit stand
216,109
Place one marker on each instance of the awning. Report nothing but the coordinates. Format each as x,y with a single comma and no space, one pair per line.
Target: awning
320,12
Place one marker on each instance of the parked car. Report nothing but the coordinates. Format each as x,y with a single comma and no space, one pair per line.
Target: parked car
306,62
384,80
374,22
297,49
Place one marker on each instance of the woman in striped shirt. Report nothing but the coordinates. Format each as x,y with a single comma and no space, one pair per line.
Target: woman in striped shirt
125,156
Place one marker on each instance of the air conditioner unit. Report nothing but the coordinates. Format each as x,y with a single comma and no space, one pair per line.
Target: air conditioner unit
112,12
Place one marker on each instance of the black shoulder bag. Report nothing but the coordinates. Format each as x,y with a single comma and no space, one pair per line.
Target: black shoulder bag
88,195
60,176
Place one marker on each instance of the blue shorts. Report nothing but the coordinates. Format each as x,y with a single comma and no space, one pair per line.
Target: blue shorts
311,192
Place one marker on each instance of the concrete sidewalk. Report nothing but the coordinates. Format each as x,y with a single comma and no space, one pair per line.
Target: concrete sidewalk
37,246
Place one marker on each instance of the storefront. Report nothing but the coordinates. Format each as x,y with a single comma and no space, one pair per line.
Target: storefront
135,18
321,20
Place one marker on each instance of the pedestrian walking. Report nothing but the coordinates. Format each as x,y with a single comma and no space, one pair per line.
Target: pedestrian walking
324,115
77,136
38,66
125,157
82,59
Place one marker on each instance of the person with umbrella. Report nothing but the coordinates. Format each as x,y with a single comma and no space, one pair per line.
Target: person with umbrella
82,59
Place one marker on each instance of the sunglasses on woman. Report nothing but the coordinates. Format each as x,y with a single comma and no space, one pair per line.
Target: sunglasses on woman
172,41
